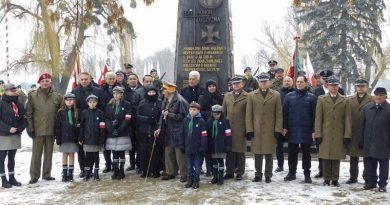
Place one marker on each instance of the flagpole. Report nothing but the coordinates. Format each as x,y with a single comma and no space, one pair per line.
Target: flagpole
296,39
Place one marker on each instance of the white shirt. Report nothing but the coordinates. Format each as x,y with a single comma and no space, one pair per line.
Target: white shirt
325,89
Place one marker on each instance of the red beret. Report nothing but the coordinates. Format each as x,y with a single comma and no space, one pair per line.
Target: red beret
44,76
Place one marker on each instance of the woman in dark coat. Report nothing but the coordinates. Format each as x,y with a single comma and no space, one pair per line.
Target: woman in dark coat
209,98
148,114
12,124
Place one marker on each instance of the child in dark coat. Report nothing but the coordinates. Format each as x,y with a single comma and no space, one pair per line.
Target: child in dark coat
67,124
92,136
219,142
194,144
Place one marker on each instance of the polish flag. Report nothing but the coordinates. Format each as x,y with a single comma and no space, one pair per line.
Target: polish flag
101,78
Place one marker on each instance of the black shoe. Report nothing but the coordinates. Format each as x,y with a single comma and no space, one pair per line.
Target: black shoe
319,175
279,169
336,183
183,179
228,176
96,175
107,169
268,180
369,187
214,180
308,180
50,178
156,175
13,181
115,175
208,174
121,174
351,181
290,177
382,189
220,176
64,177
195,185
33,181
5,183
130,168
82,174
189,184
143,175
167,177
87,175
326,183
238,177
70,177
257,179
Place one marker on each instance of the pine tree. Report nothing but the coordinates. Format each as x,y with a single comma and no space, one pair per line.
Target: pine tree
340,34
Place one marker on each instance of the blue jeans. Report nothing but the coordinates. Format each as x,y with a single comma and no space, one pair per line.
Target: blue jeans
194,163
383,171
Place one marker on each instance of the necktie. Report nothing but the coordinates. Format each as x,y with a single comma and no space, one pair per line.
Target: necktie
215,128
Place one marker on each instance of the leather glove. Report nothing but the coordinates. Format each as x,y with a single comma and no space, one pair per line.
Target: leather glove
319,140
249,136
347,142
31,134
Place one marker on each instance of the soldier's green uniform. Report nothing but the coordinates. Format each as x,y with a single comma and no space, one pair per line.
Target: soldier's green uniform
276,84
41,111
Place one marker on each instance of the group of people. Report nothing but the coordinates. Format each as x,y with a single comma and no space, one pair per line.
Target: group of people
169,131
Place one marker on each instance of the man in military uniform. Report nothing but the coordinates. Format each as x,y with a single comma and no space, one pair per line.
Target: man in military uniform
357,102
272,67
250,83
322,90
234,108
41,112
277,82
264,124
332,131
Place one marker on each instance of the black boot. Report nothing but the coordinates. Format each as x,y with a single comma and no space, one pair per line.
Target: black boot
121,174
290,177
326,183
308,179
64,173
116,171
108,168
336,183
87,173
351,181
96,174
195,185
319,175
70,173
4,183
215,175
12,180
130,168
220,175
189,184
82,174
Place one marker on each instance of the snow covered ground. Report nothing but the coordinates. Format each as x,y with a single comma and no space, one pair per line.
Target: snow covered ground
134,190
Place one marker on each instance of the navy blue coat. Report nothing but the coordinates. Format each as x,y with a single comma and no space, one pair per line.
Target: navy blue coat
92,127
120,121
221,143
375,131
8,118
148,115
299,108
82,94
197,142
66,132
207,100
192,94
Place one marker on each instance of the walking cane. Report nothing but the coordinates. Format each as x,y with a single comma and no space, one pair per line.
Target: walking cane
150,159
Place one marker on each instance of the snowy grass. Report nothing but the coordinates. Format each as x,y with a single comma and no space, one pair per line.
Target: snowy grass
134,190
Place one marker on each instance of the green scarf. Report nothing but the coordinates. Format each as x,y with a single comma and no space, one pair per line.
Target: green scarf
215,128
70,116
190,126
117,108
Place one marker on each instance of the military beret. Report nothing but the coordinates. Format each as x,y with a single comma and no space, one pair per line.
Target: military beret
128,65
333,81
272,62
9,86
195,105
279,70
91,97
361,82
153,70
236,79
263,77
216,109
380,90
118,89
247,69
326,73
69,96
44,76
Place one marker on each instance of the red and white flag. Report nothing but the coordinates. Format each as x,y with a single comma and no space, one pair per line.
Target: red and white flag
101,78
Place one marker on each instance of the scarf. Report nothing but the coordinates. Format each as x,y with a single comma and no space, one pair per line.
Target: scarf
117,108
215,128
15,109
70,116
190,126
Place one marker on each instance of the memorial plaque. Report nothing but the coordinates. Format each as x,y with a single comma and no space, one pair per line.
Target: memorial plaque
204,41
